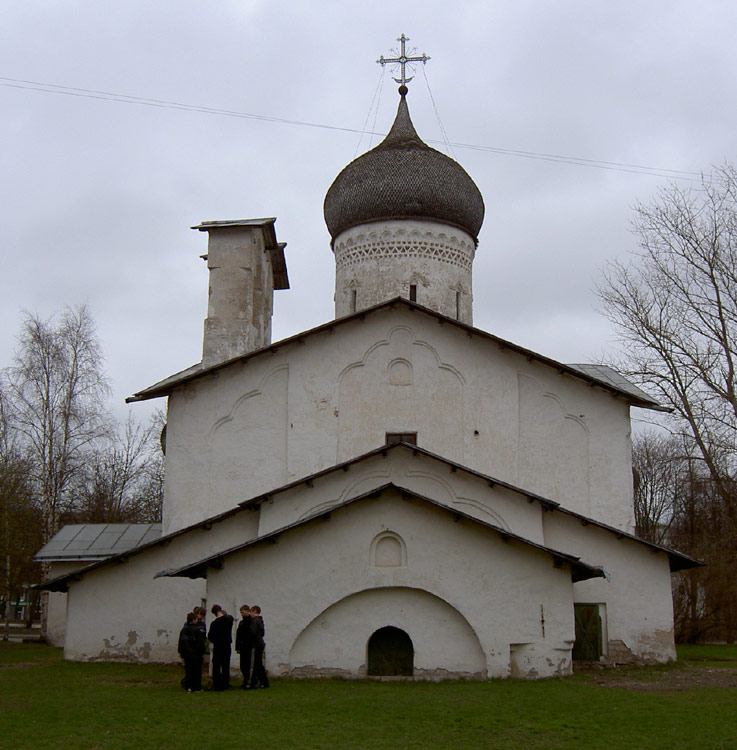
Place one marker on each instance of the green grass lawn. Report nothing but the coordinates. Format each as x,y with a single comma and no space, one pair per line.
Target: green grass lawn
48,703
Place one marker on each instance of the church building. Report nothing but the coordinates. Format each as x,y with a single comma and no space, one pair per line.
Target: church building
401,493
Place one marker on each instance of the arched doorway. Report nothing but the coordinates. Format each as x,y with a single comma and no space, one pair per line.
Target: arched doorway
390,653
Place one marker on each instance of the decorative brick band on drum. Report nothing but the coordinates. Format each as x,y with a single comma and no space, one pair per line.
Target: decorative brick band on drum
429,246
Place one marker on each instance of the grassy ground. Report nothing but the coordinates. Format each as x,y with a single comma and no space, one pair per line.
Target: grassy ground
48,703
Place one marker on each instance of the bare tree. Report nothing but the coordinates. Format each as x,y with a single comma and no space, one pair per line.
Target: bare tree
677,504
19,519
704,599
675,309
674,306
659,474
56,391
123,480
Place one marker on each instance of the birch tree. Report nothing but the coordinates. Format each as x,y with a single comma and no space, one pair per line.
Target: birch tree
56,390
674,307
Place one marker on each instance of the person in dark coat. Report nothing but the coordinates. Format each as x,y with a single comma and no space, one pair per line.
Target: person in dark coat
201,613
258,678
191,648
221,636
244,644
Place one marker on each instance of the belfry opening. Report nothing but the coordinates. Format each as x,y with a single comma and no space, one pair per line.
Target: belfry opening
390,653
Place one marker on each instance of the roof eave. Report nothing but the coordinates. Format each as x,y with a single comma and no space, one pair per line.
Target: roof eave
168,385
580,571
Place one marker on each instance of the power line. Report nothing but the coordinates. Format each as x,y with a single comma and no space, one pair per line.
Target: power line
51,88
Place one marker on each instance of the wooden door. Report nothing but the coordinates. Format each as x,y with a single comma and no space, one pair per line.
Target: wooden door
588,632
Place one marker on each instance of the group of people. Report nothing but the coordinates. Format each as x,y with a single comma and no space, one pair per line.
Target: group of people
249,644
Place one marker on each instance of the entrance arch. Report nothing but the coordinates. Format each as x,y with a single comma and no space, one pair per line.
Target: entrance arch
390,653
335,641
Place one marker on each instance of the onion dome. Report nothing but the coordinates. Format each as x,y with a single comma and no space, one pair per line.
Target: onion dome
403,178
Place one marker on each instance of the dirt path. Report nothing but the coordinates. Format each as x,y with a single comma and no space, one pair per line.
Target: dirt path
686,676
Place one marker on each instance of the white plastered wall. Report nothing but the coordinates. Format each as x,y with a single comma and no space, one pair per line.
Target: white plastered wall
121,612
636,596
461,582
284,415
56,609
637,592
383,259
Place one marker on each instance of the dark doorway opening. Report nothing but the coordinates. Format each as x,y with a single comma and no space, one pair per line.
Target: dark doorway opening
588,632
390,653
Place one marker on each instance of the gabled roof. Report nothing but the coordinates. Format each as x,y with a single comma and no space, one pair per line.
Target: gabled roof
677,560
384,450
96,541
594,375
580,571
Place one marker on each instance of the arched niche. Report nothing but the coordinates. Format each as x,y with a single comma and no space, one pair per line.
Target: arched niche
390,653
553,455
388,550
400,372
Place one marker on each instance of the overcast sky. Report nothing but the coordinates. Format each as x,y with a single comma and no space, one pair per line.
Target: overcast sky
97,195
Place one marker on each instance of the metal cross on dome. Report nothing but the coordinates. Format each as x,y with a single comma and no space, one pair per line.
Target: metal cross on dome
402,60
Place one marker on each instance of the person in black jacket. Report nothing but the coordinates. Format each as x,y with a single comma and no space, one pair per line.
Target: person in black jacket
244,644
191,648
221,636
258,678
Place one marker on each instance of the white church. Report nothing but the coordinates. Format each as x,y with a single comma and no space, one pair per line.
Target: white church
401,493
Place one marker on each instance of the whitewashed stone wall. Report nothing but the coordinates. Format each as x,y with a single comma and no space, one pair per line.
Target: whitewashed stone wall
120,612
254,427
319,581
638,605
241,292
377,261
462,594
56,609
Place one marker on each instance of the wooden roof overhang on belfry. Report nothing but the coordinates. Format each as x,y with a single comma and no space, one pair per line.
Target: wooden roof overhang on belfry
598,376
677,560
580,571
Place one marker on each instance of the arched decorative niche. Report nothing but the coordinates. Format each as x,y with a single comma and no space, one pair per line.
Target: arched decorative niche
388,550
400,372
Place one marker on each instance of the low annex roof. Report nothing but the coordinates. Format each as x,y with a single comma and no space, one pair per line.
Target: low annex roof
595,375
580,571
677,560
96,541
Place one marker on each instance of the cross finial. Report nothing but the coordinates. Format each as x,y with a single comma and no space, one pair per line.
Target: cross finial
402,61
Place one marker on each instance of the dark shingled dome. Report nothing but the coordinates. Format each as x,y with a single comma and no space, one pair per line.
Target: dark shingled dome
403,178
